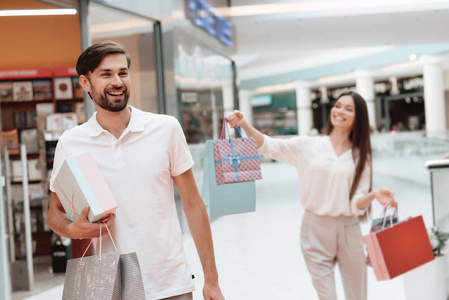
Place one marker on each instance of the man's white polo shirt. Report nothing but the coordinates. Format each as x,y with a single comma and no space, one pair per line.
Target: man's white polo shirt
138,168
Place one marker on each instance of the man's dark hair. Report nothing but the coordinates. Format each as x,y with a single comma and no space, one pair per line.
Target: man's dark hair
92,56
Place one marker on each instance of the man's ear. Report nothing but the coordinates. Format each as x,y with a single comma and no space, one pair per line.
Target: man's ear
85,84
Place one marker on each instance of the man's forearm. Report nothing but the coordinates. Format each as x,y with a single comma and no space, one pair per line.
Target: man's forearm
200,228
58,222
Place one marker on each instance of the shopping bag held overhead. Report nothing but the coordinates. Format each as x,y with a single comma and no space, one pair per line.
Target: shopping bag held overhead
236,160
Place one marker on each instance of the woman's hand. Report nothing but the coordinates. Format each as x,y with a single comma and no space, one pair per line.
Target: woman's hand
385,196
236,119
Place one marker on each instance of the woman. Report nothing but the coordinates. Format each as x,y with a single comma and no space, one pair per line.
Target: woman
335,175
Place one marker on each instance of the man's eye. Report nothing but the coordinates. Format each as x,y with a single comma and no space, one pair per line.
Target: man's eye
105,74
123,74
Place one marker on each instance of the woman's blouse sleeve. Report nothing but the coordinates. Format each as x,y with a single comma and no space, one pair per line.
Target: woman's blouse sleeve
284,150
362,190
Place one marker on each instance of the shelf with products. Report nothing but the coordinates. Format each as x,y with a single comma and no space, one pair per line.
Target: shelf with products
33,193
26,93
37,105
68,93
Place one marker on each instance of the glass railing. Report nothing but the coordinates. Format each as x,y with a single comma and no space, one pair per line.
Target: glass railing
405,154
402,154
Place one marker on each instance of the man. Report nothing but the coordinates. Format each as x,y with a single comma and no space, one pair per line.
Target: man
140,155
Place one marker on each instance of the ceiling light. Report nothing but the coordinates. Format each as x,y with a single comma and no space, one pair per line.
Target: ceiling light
412,56
37,12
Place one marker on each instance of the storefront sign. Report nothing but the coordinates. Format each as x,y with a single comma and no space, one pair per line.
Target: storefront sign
260,101
203,15
189,97
25,73
412,83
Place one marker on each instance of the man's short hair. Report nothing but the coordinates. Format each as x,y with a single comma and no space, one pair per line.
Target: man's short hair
92,56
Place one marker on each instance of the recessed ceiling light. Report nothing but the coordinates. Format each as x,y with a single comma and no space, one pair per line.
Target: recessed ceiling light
37,12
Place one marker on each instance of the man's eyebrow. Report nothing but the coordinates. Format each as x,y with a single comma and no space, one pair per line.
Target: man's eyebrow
109,70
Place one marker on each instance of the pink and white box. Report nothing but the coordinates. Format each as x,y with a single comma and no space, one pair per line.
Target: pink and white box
80,183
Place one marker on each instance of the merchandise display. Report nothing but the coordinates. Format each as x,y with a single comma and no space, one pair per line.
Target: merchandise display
27,96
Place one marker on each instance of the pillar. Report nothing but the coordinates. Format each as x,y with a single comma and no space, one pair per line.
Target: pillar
365,87
304,107
228,97
245,105
5,282
434,102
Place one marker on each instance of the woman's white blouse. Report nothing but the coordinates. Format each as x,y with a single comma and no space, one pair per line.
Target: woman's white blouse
325,179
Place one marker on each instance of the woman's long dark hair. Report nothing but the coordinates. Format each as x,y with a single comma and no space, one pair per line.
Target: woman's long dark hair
361,142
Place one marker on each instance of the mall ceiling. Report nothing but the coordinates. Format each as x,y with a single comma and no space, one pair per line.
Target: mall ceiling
275,35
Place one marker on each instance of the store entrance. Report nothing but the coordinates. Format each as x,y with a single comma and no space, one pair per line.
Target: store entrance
202,114
405,112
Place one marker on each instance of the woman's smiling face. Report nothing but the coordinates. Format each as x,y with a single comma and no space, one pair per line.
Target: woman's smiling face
343,113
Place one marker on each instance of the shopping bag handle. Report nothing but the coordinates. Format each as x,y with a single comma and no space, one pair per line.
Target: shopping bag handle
91,241
225,128
392,216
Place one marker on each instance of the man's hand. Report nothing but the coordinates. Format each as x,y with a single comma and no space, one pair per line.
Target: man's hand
212,292
81,228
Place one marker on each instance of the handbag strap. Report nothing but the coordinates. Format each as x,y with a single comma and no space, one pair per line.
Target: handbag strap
91,241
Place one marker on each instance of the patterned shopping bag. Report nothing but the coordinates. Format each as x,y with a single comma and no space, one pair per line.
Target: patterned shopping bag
383,222
236,160
225,199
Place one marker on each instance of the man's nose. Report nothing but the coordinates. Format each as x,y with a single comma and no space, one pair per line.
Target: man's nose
117,81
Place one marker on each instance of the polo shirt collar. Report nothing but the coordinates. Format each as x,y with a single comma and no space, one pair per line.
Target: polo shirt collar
136,123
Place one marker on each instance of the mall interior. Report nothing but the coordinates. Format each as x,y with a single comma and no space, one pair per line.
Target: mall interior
282,63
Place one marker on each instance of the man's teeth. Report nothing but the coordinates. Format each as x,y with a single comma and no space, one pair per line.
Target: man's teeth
115,93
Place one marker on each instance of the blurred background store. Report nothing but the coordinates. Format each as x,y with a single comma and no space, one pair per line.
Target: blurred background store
281,62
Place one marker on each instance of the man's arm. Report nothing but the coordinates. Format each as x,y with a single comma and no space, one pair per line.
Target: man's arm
198,221
81,228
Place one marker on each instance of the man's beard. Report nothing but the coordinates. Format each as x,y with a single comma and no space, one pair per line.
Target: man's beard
102,100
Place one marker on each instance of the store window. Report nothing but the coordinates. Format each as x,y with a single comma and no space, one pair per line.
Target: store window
275,114
204,86
403,108
136,34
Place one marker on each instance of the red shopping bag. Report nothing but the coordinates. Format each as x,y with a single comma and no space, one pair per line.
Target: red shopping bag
236,160
399,249
385,220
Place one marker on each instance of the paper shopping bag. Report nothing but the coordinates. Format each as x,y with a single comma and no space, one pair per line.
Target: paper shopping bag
131,277
93,278
225,199
386,220
104,277
399,249
236,160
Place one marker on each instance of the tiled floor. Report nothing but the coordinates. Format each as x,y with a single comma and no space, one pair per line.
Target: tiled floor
258,254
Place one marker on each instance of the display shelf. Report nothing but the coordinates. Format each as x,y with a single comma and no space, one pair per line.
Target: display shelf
27,98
